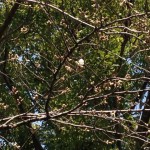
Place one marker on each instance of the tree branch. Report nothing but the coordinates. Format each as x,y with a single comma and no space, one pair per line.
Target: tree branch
9,18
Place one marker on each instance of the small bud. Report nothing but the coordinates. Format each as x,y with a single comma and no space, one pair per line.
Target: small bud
128,76
64,105
35,97
81,96
24,30
92,82
68,68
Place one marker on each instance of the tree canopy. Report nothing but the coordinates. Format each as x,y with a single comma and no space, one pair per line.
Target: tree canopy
74,75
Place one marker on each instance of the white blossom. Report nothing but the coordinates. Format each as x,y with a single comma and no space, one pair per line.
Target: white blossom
81,62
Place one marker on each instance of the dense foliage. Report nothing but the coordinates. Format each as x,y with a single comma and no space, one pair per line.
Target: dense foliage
74,75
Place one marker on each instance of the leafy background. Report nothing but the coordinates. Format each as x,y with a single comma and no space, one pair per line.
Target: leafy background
41,44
